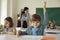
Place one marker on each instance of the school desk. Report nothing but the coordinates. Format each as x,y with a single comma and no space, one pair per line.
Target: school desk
26,37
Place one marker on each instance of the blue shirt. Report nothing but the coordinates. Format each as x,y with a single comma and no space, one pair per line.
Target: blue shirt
34,30
25,17
40,30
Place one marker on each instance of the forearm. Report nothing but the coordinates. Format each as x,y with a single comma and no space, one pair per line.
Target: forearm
24,33
27,22
21,23
21,33
44,7
10,33
45,20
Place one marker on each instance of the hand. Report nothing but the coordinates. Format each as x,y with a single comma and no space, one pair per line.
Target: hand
44,8
19,33
3,33
44,4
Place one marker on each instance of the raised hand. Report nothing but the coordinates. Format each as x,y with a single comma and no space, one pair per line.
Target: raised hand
44,8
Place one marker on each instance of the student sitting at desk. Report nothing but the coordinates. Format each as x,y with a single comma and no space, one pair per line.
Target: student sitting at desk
8,26
37,28
51,24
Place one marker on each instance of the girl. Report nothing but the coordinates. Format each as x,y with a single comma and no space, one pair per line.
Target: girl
51,24
8,26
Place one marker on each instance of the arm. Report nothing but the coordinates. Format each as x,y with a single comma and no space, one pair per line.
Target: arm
21,23
22,32
28,19
27,22
45,15
27,32
21,19
10,33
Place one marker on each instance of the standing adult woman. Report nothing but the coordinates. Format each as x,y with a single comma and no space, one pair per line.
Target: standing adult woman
24,18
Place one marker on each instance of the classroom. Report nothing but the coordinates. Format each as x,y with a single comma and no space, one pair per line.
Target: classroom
29,19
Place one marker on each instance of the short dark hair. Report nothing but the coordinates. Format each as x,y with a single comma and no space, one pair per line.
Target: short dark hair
10,21
36,17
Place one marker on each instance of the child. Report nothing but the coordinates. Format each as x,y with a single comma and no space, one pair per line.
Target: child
8,26
51,24
37,28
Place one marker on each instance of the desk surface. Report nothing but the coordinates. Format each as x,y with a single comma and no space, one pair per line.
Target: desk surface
29,37
26,37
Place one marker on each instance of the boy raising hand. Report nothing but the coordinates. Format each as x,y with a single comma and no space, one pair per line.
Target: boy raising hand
37,27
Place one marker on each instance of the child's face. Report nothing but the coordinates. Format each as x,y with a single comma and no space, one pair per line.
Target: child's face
52,24
6,23
35,24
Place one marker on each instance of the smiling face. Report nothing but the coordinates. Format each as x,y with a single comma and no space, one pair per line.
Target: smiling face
36,20
35,24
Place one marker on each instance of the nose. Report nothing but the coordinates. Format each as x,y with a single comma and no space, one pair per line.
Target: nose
36,23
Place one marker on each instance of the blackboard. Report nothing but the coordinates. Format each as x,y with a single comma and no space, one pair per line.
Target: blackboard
53,13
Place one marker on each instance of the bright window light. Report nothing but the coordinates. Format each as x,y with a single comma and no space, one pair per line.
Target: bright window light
3,10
